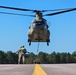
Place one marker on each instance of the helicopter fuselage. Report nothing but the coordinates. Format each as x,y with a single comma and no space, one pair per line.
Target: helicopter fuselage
38,33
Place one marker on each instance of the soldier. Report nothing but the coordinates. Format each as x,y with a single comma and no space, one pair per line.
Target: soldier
21,55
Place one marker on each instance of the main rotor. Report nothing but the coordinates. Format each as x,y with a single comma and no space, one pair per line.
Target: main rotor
38,12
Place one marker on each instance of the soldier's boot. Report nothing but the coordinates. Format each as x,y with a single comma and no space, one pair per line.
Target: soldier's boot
18,61
23,60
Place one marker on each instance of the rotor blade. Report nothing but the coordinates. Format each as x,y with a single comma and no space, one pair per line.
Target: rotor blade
60,12
54,10
15,8
16,14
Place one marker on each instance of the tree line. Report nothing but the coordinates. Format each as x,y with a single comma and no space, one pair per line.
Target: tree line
10,57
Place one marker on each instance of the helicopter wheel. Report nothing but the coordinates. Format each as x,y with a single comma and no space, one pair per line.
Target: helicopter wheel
47,43
29,42
48,40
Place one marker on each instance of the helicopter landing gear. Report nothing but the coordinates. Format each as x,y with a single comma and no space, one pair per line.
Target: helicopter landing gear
29,42
48,41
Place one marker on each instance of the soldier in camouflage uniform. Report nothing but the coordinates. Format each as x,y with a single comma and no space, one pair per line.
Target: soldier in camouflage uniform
21,55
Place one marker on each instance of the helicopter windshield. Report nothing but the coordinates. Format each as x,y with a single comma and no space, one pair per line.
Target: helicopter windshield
33,25
38,24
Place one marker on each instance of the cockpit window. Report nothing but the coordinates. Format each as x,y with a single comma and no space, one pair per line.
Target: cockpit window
33,25
38,24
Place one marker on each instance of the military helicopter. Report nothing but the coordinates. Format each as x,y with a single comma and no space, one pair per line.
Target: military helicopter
38,30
